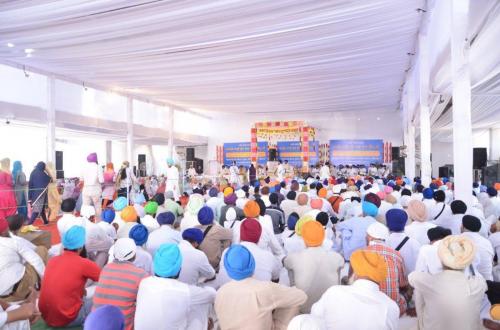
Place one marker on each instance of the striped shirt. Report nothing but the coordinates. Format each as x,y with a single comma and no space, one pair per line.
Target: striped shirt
396,278
118,285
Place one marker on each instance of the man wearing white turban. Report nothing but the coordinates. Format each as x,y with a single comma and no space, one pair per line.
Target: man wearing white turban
450,299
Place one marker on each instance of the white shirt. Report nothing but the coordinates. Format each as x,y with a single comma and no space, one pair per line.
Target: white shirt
215,203
429,204
143,259
428,259
409,251
418,230
495,242
16,325
150,223
324,172
240,202
436,209
92,175
195,264
484,249
13,256
168,304
359,306
288,206
162,235
267,241
108,229
67,221
453,222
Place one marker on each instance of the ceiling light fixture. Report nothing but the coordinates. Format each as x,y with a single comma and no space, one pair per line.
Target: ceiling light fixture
29,50
10,45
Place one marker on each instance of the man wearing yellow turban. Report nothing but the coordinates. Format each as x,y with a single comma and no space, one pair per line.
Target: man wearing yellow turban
361,305
450,299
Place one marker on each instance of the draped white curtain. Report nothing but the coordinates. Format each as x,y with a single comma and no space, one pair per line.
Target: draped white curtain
484,32
235,56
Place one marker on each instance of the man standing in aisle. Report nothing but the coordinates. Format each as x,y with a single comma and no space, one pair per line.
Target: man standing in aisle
172,178
92,178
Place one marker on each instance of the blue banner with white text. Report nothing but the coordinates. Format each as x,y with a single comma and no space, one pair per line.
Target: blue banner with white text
356,152
240,153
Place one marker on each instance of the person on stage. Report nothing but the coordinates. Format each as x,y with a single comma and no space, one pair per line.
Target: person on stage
252,174
324,172
234,173
172,175
280,172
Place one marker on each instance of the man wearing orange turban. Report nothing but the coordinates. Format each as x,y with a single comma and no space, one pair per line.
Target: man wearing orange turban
129,214
346,307
314,269
251,209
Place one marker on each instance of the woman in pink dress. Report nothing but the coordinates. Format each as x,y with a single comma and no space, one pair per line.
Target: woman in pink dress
109,189
8,204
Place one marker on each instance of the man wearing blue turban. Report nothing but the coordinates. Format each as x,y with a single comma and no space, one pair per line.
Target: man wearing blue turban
247,303
353,231
61,302
164,302
407,246
165,234
195,265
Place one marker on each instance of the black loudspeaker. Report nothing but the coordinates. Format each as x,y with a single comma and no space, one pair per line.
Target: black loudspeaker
446,171
59,165
190,154
272,155
398,166
198,165
395,152
479,158
141,160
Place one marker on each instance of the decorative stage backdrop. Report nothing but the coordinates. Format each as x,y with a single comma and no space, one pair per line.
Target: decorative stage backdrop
240,152
292,151
345,152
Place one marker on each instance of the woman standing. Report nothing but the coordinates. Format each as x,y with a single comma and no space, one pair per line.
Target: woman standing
53,195
7,197
20,185
37,193
125,179
108,191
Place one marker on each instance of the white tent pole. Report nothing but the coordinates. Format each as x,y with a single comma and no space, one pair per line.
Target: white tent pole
425,122
51,118
170,133
109,151
130,130
410,151
462,127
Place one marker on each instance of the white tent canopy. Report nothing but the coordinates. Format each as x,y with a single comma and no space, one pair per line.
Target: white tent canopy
231,56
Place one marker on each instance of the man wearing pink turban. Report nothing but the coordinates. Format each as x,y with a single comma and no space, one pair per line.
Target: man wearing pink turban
417,212
92,178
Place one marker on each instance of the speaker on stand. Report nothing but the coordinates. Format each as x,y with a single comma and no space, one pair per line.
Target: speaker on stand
190,155
141,160
59,165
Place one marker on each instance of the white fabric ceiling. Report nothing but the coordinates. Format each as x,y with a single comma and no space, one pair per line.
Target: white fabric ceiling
230,56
